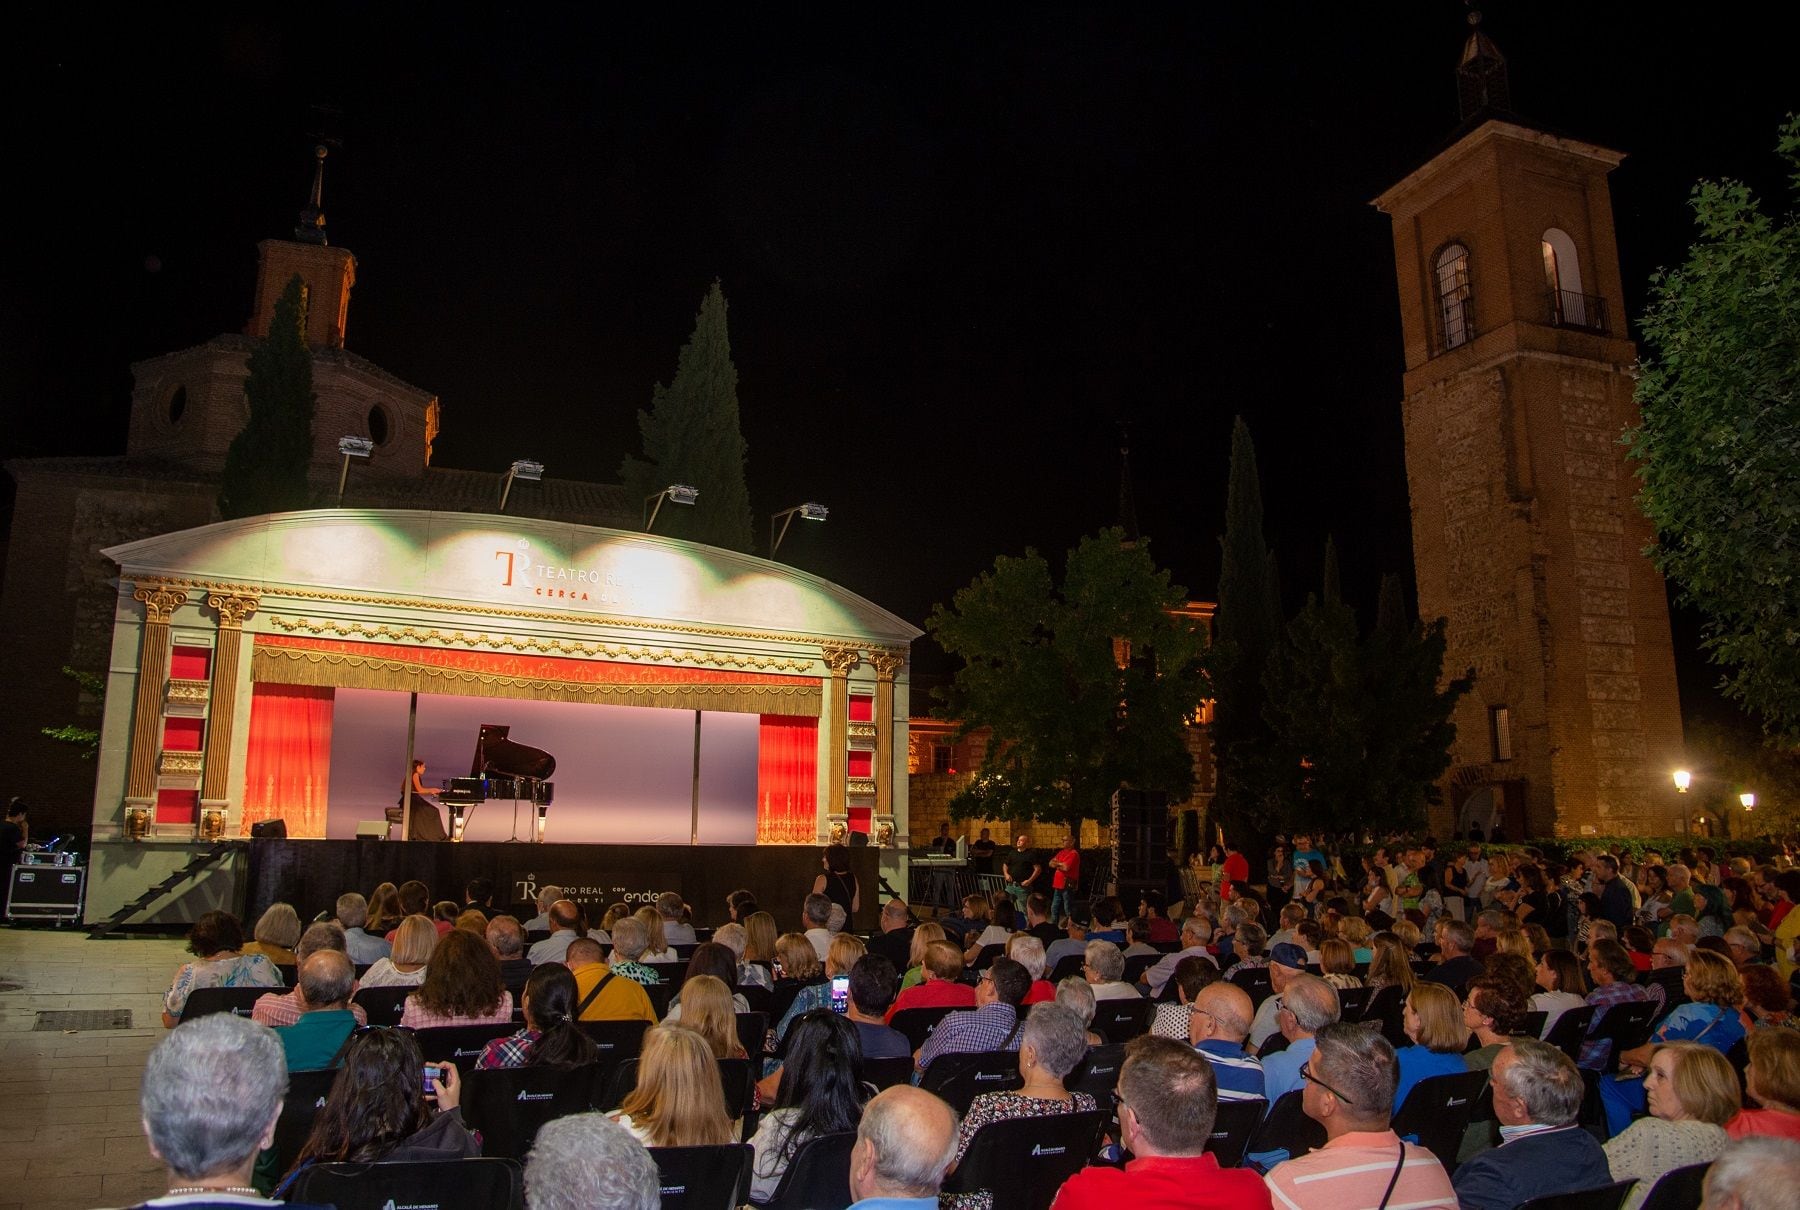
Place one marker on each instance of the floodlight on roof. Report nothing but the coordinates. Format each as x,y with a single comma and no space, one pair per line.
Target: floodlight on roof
810,511
522,468
675,493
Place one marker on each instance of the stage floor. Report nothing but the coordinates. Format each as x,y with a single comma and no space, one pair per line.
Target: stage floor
311,874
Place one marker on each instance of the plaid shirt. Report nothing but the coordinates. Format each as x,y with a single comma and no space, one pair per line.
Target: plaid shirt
1593,1054
509,1052
990,1027
273,1010
415,1016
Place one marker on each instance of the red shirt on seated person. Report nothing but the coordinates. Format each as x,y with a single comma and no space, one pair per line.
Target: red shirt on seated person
941,989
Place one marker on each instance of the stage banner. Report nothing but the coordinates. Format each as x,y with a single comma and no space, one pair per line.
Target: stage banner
600,884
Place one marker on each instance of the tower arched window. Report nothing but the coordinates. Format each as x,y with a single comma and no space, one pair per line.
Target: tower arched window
1456,302
1562,278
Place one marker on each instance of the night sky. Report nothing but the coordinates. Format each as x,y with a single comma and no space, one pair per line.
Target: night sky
960,247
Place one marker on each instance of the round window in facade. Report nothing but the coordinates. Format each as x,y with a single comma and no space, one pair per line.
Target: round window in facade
175,402
379,428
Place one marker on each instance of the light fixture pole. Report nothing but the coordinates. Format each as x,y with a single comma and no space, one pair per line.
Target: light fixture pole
524,469
810,511
675,493
351,447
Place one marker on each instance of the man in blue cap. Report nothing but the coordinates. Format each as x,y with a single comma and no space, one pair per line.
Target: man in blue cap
1287,961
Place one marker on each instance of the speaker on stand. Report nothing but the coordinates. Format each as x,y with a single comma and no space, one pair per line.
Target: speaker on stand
1140,835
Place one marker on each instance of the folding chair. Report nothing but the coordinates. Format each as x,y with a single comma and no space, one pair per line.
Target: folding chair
459,1044
1022,1162
1437,1112
1571,1030
306,1095
885,1073
672,973
917,1023
704,1178
616,1039
1097,1074
1233,1125
752,1032
960,1078
205,1001
1256,982
1137,964
1607,1197
1530,1024
1287,1128
383,1005
660,995
985,958
1122,1020
1627,1026
1388,1008
785,992
1068,966
818,1175
1353,1002
485,1183
1679,1189
509,1105
756,996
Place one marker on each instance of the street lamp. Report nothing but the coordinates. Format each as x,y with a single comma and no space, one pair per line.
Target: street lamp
810,511
1748,799
675,493
351,447
522,468
1684,779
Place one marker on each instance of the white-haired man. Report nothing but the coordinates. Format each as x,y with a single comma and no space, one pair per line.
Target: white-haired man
1196,933
586,1161
904,1145
1757,1173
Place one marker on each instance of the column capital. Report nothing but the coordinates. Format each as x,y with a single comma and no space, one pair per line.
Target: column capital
232,609
886,664
159,601
841,659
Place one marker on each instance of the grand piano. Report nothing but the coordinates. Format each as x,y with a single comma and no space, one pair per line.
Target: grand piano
502,768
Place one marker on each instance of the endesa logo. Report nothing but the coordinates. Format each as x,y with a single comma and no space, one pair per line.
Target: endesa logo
523,568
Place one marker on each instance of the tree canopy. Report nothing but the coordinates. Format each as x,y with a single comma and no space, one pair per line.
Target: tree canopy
266,464
1087,686
1718,444
692,435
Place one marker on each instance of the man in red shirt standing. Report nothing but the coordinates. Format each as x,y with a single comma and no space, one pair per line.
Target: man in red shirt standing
1167,1101
1067,864
1237,873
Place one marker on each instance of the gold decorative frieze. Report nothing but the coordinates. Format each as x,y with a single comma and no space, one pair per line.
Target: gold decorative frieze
574,648
886,664
863,787
862,735
179,764
188,697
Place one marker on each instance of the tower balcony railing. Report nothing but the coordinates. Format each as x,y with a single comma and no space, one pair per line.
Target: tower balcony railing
1569,309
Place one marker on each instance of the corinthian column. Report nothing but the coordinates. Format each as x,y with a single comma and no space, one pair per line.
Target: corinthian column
221,706
837,730
885,664
160,603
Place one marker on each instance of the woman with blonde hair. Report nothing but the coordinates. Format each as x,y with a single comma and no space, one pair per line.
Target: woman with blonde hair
1691,1091
612,916
277,932
1389,967
414,940
1773,1082
845,949
708,1009
1514,941
1356,931
759,949
795,959
1433,1022
678,1101
657,949
1715,992
1409,935
922,936
1338,961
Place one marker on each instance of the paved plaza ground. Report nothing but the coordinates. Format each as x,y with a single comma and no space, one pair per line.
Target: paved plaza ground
69,1100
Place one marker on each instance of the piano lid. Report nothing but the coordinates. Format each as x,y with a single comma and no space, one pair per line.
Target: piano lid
496,754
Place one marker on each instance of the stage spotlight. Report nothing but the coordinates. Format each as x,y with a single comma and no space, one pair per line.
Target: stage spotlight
675,493
522,468
810,511
351,447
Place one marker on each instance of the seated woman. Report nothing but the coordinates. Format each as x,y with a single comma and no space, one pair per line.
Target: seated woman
1773,1082
656,948
1338,961
1767,1001
1691,1091
1053,1041
385,913
217,943
1492,1006
922,936
1356,933
1077,995
414,940
630,939
708,1010
462,986
277,932
818,1093
1002,919
842,954
550,1037
1433,1021
796,963
1028,952
377,1108
756,964
1191,974
1562,984
1391,965
1715,991
1105,968
711,958
678,1101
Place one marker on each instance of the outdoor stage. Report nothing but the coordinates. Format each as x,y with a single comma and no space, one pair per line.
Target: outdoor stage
311,874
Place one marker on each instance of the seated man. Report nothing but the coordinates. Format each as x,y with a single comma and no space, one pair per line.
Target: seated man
1196,933
1308,1005
1287,962
994,1025
209,1101
1537,1098
873,985
894,941
507,940
1350,1083
313,1041
587,1161
284,1008
546,898
1167,1103
1757,1173
352,913
676,931
815,911
565,926
904,1145
1218,1022
601,995
943,986
1456,966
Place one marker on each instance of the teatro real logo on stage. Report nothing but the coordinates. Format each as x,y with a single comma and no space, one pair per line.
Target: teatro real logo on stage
525,569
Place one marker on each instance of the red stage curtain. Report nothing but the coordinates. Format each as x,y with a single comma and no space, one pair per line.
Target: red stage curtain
289,765
787,780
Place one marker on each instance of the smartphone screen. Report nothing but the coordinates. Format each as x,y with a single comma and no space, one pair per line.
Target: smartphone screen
840,993
431,1072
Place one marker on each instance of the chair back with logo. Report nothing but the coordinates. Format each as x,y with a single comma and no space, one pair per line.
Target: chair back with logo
1137,964
1287,1128
885,1073
917,1023
672,973
484,1183
1387,1006
617,1040
204,1001
984,958
460,1044
509,1105
306,1095
1627,1025
1607,1197
1067,967
1570,1030
1097,1074
818,1175
704,1178
1530,1024
960,1078
1437,1112
1679,1189
383,1004
1122,1020
1022,1162
1256,982
1353,1002
1233,1126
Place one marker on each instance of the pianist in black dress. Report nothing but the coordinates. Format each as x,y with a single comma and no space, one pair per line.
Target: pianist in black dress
426,823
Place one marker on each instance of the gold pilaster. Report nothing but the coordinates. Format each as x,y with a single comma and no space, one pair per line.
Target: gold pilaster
885,664
221,705
840,660
160,603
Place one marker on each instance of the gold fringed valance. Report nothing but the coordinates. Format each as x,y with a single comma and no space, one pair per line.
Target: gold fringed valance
354,666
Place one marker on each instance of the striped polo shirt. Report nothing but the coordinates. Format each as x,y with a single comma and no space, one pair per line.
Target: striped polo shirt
1352,1171
1240,1076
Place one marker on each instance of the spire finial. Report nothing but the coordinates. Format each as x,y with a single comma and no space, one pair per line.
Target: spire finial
311,227
1481,81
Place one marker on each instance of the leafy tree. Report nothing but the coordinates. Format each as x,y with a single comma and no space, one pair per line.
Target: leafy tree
1041,668
1719,439
692,436
87,739
265,468
1730,759
1247,627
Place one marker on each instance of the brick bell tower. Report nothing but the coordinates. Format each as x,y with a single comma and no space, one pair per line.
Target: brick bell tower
1518,386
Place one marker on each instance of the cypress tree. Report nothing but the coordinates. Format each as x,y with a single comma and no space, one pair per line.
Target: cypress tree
265,467
692,435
